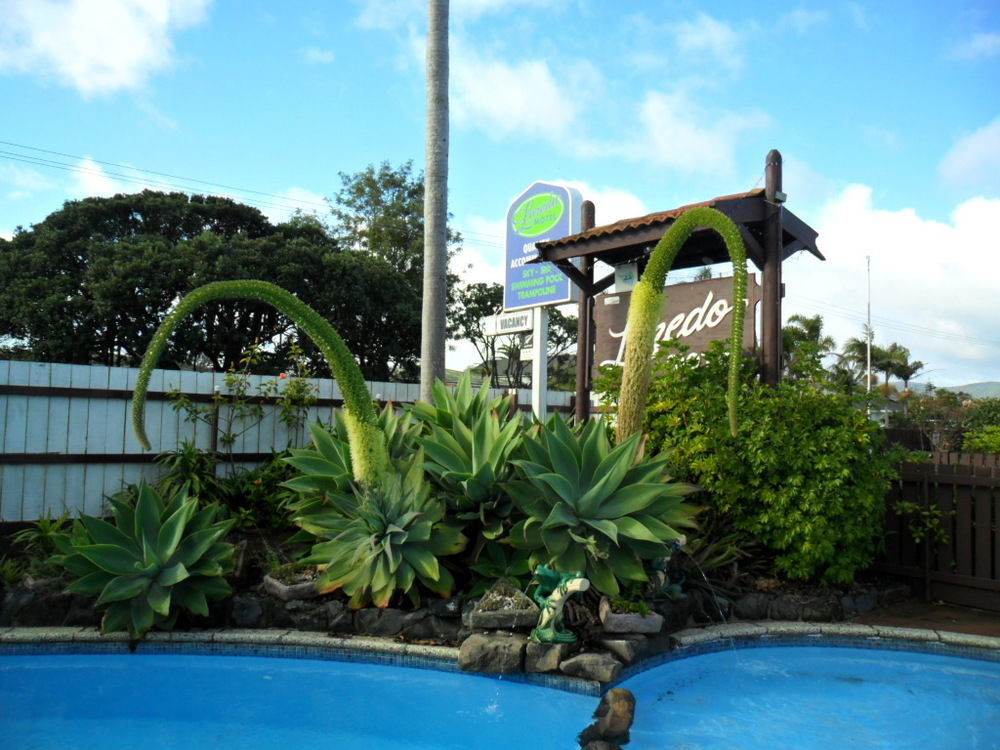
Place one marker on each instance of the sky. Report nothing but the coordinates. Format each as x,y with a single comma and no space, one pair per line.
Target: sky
887,115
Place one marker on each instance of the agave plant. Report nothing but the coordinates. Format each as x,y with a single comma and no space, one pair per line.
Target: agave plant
595,508
149,561
325,485
388,543
468,450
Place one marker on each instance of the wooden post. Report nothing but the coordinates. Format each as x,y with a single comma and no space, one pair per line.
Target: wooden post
771,293
584,339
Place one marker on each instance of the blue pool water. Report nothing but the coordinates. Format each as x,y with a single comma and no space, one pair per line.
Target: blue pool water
817,697
160,701
755,697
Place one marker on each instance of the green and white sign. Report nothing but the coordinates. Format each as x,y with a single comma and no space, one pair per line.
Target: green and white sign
542,212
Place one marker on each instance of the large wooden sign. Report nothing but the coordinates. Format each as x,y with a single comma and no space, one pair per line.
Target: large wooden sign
696,313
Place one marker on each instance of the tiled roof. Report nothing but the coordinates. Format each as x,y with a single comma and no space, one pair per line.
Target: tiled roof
640,222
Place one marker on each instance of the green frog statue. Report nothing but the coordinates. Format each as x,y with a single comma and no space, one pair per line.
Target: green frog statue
554,590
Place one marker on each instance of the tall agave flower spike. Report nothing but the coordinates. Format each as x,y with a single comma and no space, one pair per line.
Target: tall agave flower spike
368,450
647,306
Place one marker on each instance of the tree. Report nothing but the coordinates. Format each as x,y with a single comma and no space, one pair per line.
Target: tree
476,302
804,346
89,284
435,284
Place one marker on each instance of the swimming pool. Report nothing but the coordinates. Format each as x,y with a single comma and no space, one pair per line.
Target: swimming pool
190,701
760,692
819,696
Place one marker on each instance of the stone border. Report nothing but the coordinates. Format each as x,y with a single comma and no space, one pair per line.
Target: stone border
693,636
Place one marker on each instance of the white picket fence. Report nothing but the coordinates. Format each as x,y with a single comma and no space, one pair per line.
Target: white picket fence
66,431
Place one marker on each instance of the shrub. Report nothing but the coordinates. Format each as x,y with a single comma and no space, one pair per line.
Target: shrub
806,475
986,440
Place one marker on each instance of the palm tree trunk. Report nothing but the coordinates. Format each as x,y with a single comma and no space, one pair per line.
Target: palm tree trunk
432,340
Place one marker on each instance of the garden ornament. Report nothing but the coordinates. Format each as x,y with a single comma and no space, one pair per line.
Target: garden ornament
662,585
554,590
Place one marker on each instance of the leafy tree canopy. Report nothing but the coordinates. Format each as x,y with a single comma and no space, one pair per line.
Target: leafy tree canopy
90,283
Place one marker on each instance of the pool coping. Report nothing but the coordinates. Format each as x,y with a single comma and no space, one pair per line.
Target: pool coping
689,642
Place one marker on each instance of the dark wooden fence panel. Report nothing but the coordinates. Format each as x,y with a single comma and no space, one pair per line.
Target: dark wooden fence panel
965,567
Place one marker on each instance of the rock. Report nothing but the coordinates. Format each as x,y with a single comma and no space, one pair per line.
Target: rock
383,622
858,603
626,647
497,654
545,657
246,611
659,643
339,619
753,606
431,628
822,609
445,607
707,606
615,714
308,615
290,592
13,602
275,615
43,609
503,607
601,666
628,622
784,608
675,613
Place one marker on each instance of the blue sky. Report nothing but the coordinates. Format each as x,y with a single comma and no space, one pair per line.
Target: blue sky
887,114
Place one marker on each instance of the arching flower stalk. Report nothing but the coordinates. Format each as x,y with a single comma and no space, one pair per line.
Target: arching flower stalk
647,306
367,443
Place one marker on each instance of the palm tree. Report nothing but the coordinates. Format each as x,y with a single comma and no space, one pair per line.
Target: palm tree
804,345
432,339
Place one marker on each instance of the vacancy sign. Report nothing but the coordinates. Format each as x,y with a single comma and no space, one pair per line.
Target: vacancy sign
542,212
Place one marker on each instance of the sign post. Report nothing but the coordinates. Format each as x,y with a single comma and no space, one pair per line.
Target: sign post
542,212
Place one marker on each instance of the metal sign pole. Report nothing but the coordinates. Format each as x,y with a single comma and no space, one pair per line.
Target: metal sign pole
540,364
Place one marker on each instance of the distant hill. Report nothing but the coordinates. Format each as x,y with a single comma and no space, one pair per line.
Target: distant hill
978,390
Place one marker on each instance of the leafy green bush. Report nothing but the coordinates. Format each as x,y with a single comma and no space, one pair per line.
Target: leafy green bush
595,508
806,475
986,440
152,560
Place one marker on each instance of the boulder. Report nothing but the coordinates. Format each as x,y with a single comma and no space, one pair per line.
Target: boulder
784,607
493,653
246,611
753,606
675,613
626,647
615,714
545,657
600,666
384,622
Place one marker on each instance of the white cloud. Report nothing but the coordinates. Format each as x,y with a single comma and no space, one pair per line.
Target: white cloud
678,133
859,15
974,161
21,182
932,286
802,20
94,47
525,97
90,180
706,40
317,56
982,45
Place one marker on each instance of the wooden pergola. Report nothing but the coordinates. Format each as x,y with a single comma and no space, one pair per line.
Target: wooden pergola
770,232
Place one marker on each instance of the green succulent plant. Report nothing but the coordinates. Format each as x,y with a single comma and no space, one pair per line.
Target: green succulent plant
150,561
390,542
647,306
593,507
470,441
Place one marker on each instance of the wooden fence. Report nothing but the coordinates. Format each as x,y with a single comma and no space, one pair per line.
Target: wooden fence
963,491
66,435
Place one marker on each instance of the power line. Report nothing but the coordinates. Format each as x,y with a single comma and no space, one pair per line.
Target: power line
161,174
